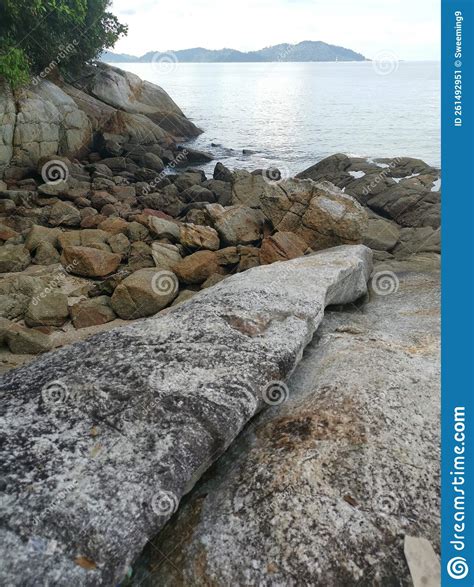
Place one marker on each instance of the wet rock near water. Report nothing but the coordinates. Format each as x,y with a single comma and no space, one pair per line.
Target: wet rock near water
402,189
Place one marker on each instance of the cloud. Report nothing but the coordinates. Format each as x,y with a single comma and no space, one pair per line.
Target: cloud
411,30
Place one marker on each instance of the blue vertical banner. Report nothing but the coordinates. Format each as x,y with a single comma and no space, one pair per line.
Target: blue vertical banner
457,138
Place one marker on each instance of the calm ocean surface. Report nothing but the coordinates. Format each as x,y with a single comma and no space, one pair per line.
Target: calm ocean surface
293,114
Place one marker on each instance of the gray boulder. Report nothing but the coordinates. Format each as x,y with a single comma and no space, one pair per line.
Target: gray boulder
163,228
60,186
381,234
25,198
249,189
166,202
322,488
318,212
41,234
48,123
222,191
236,225
14,258
119,243
142,411
136,232
101,198
343,170
63,214
46,254
16,291
194,156
47,310
117,164
418,240
152,161
144,293
126,91
6,206
12,305
27,341
198,193
222,173
5,326
140,256
409,203
92,312
165,255
187,179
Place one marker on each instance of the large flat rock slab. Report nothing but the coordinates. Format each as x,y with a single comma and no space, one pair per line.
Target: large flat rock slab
101,439
321,489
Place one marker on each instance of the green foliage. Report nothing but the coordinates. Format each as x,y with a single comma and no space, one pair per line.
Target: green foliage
39,36
14,66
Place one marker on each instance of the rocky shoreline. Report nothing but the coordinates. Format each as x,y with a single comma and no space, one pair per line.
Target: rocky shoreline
210,289
127,230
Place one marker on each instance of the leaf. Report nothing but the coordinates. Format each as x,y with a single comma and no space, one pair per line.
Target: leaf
85,563
350,500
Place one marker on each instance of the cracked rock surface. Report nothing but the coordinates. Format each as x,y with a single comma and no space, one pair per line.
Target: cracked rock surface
321,489
101,439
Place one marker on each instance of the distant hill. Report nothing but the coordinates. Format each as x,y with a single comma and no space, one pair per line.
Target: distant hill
110,57
304,51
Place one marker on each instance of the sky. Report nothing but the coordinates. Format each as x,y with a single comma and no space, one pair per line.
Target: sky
409,29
